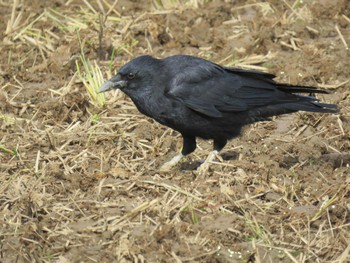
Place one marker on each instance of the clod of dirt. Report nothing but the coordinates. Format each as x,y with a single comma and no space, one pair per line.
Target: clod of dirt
305,210
60,58
327,8
288,162
3,102
273,196
165,232
337,159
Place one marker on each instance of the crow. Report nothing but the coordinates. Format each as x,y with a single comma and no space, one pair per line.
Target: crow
199,98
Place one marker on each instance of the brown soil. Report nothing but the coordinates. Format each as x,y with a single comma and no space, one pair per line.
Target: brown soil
80,183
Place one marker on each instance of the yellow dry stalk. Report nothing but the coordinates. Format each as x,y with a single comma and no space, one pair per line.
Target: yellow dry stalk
67,23
7,119
165,4
44,40
92,78
171,4
251,61
15,19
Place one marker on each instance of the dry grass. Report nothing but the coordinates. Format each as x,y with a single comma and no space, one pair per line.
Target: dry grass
79,175
92,78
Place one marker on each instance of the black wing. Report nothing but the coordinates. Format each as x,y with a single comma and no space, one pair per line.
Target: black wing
212,90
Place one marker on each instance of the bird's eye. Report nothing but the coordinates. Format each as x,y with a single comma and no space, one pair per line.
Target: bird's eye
131,75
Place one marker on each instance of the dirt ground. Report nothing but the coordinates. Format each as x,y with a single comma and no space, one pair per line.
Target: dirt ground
79,182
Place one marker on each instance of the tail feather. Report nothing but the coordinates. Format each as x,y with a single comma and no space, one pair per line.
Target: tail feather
300,89
311,106
306,103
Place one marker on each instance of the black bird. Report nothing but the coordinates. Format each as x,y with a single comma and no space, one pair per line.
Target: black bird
199,98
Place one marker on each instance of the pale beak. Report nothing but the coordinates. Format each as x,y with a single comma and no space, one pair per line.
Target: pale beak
114,83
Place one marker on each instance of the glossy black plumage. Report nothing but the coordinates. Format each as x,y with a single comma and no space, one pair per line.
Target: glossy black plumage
199,98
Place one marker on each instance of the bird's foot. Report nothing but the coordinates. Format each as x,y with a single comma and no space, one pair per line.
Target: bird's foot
204,167
169,165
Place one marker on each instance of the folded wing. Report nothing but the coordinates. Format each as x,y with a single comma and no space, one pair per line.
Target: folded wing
213,90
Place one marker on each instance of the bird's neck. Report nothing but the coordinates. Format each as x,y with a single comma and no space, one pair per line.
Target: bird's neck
146,102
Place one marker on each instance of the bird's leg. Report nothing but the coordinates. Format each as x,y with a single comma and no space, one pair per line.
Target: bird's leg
189,145
218,145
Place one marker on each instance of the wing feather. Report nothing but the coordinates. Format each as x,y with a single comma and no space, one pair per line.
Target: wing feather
212,90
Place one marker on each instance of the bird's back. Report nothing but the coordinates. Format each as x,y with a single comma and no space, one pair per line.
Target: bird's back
217,100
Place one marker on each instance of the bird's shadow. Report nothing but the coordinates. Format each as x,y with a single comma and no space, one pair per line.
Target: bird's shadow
190,165
227,156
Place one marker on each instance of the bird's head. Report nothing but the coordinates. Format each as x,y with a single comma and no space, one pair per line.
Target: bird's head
132,75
